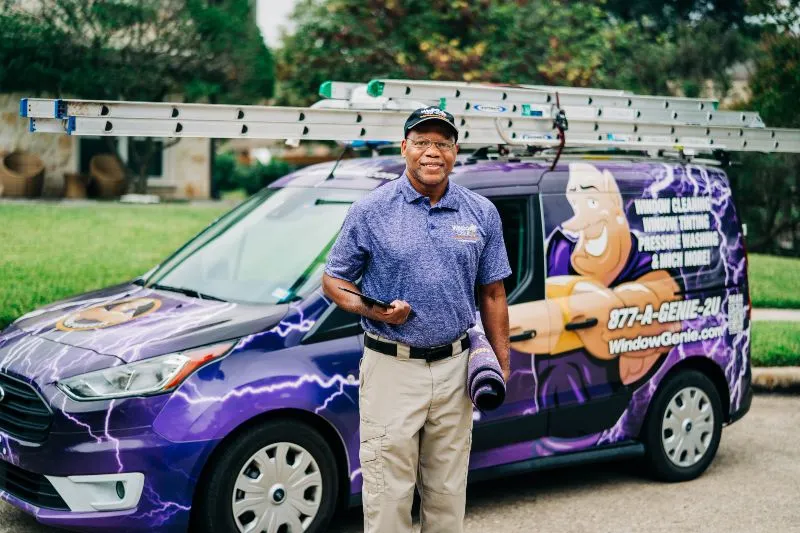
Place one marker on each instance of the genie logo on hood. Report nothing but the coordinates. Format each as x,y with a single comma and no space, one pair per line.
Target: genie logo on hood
109,314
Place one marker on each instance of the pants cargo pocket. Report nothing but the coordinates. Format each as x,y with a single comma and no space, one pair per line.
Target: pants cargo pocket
370,454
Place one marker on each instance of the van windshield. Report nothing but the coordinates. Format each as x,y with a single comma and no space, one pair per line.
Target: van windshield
271,249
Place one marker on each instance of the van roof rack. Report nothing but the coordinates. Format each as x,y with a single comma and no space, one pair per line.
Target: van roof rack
486,114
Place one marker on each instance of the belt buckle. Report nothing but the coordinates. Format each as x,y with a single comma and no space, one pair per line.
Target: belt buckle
438,353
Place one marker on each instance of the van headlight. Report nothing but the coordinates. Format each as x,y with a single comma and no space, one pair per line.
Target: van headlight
142,378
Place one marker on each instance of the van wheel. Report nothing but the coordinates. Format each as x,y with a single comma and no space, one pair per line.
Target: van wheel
683,428
280,477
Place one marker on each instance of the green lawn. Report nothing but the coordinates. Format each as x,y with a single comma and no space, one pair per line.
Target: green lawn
776,344
49,252
774,281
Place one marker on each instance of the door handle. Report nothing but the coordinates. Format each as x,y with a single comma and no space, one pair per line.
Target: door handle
583,324
524,336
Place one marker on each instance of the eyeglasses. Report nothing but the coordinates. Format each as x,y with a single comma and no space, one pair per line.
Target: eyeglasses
424,144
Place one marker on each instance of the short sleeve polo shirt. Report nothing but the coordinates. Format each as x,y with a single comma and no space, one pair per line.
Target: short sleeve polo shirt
431,257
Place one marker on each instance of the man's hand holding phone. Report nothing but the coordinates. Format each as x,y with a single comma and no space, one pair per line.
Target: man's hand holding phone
396,314
392,313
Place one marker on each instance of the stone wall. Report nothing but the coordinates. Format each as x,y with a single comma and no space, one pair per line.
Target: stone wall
187,170
57,151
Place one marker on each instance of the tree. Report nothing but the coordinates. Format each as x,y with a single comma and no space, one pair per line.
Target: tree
557,42
771,184
684,58
135,50
662,14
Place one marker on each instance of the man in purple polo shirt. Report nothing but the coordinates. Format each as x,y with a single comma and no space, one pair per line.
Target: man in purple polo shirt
421,243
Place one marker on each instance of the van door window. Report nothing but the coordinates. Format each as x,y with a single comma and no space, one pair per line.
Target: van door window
517,237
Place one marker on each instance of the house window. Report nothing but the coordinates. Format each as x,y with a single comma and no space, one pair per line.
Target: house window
155,167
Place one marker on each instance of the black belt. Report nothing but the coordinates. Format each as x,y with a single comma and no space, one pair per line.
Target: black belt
429,354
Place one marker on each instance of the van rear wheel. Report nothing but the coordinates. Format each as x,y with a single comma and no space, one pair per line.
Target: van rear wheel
280,477
684,427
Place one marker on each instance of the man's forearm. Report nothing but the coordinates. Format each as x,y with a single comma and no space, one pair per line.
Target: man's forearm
494,315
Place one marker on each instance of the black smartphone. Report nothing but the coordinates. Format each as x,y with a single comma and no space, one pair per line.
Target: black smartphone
368,299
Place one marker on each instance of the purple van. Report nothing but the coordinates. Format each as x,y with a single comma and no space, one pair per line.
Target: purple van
223,384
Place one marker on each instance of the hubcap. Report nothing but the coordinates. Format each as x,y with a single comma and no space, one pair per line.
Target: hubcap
688,427
278,490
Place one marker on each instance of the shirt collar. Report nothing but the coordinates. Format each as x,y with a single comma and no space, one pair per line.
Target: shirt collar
448,201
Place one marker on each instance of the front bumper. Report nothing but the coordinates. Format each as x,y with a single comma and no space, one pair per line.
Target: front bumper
158,478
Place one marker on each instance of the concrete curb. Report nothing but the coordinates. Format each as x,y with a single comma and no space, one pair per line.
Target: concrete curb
783,379
761,314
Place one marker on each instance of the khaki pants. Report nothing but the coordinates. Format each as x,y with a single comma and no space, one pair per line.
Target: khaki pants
416,428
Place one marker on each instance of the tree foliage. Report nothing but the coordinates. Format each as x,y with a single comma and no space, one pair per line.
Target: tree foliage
558,42
768,187
650,47
135,50
685,58
666,13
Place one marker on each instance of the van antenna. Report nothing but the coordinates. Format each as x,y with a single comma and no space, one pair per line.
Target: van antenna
561,124
338,160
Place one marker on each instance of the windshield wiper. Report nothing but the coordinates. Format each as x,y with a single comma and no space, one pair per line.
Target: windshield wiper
188,292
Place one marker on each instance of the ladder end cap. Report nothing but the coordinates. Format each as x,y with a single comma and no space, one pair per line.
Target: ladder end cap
23,107
326,89
59,111
375,88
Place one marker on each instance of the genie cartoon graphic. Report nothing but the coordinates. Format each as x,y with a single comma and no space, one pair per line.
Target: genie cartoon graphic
594,267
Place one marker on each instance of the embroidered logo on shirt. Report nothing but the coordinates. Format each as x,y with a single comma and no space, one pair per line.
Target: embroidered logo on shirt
465,233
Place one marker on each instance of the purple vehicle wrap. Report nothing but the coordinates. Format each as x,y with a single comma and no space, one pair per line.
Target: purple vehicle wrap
281,365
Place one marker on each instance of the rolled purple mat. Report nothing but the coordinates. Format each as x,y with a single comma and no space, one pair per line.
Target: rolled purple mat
485,384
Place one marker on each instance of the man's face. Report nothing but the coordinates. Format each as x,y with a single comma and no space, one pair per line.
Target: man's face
604,235
431,165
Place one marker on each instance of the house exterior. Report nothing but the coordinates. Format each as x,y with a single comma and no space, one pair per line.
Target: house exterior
182,171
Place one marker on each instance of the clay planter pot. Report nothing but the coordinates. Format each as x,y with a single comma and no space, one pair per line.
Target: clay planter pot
75,185
108,175
21,175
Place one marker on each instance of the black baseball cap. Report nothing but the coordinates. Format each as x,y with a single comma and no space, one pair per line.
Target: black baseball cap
425,114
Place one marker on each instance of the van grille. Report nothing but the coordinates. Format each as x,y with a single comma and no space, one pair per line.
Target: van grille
29,487
23,413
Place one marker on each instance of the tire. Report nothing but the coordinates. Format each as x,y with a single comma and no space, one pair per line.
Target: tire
249,463
687,407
